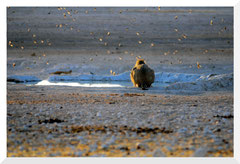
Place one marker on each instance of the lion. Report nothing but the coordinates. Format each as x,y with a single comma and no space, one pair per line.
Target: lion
141,75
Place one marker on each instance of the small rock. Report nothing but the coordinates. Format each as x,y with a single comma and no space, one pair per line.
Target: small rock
142,146
216,130
123,148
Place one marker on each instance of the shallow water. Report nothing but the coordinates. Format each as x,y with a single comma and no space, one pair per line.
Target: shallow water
169,81
90,84
82,84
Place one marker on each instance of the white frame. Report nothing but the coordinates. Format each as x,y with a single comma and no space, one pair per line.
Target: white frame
177,3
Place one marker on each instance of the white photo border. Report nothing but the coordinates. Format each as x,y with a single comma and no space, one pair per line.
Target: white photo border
109,3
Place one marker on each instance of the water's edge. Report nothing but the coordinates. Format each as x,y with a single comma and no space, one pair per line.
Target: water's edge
163,80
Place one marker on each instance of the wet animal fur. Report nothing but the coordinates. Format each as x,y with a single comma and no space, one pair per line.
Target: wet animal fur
142,76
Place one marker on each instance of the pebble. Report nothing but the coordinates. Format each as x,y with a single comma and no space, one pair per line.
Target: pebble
142,146
158,153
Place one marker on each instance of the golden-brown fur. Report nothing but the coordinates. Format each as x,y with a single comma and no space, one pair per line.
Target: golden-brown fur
141,75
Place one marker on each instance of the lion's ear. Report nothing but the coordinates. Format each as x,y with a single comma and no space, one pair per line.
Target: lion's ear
137,58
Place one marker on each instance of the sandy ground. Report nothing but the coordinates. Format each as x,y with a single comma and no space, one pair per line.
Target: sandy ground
78,121
181,37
